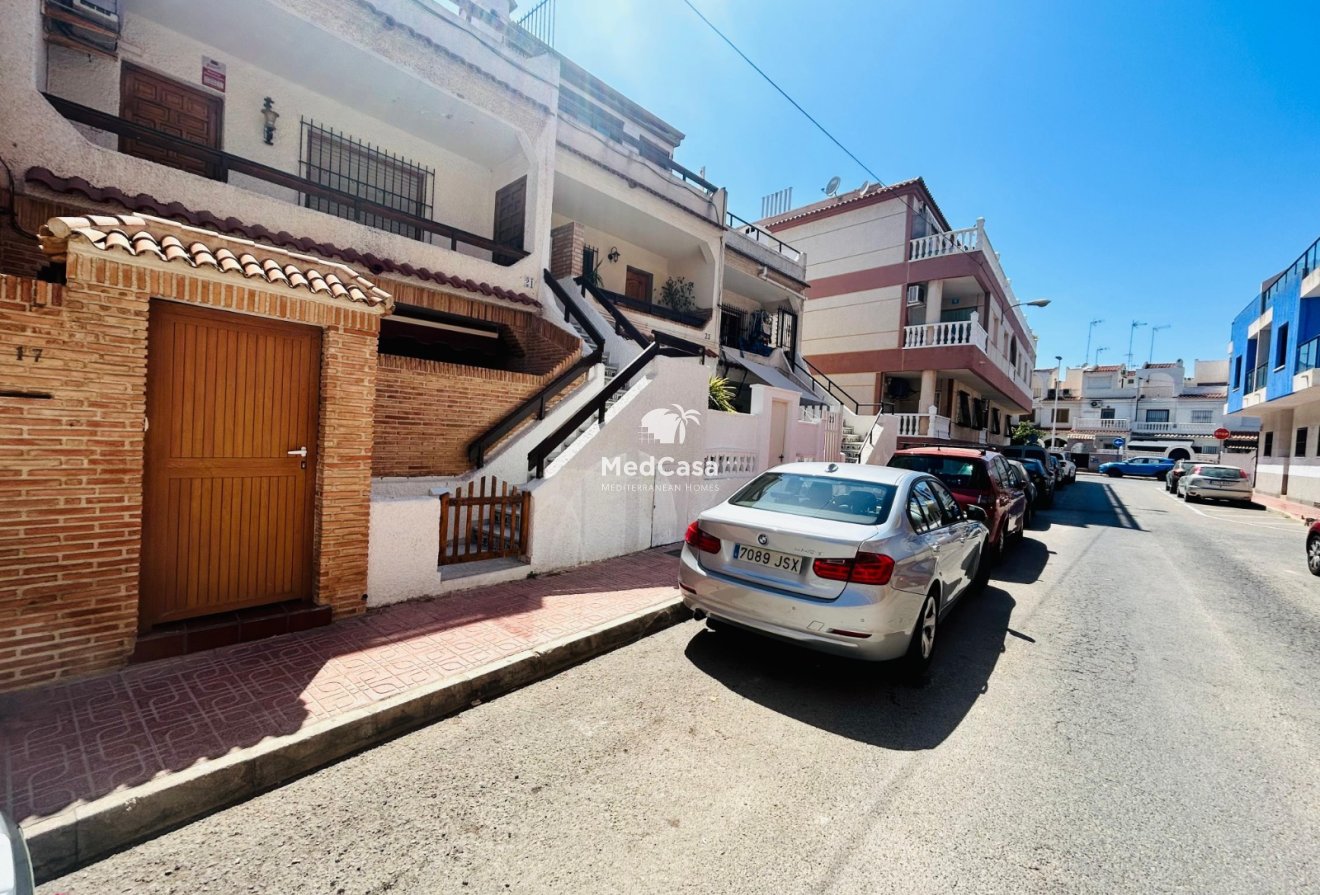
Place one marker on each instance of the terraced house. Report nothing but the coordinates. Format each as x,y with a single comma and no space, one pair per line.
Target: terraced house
915,319
312,306
1274,359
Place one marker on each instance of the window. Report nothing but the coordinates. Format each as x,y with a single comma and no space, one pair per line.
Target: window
365,172
1281,347
840,500
1061,416
1106,413
1012,350
964,409
1269,444
952,512
590,263
1237,371
1203,416
927,506
956,472
1157,416
1299,444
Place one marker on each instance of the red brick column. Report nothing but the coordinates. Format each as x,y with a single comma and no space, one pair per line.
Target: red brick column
566,244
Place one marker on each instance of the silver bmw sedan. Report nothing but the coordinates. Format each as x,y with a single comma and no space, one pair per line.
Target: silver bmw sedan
856,560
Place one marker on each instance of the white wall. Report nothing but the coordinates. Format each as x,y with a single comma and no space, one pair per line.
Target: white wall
873,236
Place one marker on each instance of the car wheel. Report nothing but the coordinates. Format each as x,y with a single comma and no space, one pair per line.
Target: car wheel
1313,554
922,648
1115,473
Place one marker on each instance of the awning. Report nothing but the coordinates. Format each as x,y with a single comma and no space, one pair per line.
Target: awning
771,376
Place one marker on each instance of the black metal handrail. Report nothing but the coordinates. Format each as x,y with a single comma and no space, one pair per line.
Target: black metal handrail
662,344
221,163
537,456
611,299
733,222
622,325
536,404
832,387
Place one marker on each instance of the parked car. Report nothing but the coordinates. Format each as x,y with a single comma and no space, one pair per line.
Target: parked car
1068,466
1022,479
860,561
1035,452
15,863
1313,548
976,477
1171,477
1151,467
1207,481
1043,481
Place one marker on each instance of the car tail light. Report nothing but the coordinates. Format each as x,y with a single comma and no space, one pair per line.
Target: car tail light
1242,473
865,568
700,540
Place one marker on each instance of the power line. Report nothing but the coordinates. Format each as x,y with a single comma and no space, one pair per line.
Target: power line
771,81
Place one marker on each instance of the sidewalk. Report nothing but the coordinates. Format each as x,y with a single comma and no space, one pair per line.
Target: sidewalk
93,765
1303,512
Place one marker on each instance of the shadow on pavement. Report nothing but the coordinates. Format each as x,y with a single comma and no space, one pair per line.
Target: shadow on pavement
1023,562
1089,503
869,703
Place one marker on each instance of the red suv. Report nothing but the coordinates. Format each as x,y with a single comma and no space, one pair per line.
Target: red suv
976,478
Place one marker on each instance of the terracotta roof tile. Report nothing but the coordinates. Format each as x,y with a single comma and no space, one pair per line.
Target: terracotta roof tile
139,236
1162,366
1112,368
230,226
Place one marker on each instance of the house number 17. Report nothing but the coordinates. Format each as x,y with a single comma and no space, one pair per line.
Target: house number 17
25,352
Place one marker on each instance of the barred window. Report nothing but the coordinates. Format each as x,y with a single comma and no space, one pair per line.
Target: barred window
369,173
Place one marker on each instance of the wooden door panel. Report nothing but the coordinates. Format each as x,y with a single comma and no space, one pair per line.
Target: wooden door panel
170,108
227,521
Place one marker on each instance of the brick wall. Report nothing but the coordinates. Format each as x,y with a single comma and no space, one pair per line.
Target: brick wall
566,244
427,412
71,494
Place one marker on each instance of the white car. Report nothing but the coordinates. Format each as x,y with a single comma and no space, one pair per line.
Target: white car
859,561
1208,481
1068,467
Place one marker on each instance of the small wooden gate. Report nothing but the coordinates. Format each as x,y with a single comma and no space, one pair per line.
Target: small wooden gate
488,522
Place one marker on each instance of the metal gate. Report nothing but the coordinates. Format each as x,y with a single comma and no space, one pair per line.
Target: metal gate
488,522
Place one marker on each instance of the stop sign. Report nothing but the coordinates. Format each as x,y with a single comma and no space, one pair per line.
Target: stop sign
1221,433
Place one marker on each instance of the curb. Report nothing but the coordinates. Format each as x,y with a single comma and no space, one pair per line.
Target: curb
78,836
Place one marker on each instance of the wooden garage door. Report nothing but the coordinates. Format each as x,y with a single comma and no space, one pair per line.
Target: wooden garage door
227,520
169,107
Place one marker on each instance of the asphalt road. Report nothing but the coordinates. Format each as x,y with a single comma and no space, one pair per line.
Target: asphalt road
1133,705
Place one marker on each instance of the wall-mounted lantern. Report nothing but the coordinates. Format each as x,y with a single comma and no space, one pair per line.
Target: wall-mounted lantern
268,112
613,255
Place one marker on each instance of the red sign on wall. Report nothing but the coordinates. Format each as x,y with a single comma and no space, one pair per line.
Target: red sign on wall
213,74
1222,433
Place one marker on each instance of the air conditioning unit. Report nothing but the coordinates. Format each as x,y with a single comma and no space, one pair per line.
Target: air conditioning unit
916,294
1095,403
102,12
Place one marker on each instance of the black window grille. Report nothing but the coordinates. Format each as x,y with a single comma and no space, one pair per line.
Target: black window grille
366,172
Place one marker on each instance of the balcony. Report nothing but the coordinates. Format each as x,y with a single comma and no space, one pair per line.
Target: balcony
945,335
923,425
764,247
1099,424
1172,428
219,165
961,242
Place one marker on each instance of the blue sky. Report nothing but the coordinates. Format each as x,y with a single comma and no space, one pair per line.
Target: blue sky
1133,160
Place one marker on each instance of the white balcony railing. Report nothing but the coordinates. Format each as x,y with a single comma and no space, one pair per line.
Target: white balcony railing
1174,428
1096,424
924,425
943,335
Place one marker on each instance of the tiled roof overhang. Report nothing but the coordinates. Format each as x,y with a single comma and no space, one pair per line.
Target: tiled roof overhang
142,236
146,204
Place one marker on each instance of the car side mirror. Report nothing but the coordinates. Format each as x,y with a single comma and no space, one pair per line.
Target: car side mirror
977,514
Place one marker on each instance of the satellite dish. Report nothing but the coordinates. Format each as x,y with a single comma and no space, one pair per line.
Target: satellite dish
861,190
832,187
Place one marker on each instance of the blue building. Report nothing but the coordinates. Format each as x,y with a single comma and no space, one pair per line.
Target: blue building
1274,375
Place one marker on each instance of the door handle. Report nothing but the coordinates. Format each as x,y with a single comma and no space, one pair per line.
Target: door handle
300,452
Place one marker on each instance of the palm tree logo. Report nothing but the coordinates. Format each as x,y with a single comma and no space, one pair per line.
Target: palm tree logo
669,426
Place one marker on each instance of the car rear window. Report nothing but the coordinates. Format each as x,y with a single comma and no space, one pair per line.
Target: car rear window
1219,472
1034,466
819,497
966,473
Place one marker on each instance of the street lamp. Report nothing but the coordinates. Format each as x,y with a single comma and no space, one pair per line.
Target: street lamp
1153,331
1035,303
1058,386
1131,335
1090,329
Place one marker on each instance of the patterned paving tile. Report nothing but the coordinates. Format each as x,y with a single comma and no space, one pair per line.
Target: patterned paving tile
71,743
